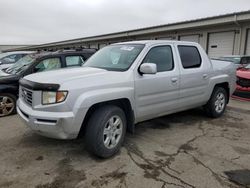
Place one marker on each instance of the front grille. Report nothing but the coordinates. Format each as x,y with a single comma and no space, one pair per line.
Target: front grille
243,82
27,95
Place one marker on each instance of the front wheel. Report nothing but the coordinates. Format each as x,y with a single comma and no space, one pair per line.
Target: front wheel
105,131
217,103
7,104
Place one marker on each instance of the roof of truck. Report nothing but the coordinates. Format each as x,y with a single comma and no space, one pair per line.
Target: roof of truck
150,42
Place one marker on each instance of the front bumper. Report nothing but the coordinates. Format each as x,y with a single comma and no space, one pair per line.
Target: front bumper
59,125
242,93
240,88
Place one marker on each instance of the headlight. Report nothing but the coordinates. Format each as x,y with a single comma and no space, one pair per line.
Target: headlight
50,97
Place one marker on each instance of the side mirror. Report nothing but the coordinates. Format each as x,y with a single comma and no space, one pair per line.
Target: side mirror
148,68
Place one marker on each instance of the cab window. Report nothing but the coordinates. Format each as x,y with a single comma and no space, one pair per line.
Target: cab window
190,57
48,64
161,56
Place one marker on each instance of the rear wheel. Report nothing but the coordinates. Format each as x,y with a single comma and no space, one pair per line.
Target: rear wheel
7,104
105,131
217,103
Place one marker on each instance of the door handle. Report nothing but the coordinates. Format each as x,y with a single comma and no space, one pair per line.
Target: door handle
205,76
174,80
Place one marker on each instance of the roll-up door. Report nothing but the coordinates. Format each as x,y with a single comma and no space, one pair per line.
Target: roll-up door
164,38
102,45
248,43
221,44
94,46
190,38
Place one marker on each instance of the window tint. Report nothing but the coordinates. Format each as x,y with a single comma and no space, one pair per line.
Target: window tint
190,57
115,57
162,57
21,65
48,64
245,60
12,58
9,59
74,61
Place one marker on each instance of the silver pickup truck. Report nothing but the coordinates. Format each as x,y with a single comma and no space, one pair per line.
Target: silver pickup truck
121,85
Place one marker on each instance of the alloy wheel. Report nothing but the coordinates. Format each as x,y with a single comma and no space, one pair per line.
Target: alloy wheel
7,105
112,132
220,102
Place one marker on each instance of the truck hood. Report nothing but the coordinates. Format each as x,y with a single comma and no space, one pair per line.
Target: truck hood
65,75
243,73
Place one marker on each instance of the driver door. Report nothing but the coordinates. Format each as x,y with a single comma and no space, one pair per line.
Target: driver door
158,94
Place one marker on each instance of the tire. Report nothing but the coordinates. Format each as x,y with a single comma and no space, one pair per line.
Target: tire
7,104
217,103
99,142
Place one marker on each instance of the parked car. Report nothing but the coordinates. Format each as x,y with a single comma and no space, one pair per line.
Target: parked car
34,63
9,58
238,60
121,85
243,83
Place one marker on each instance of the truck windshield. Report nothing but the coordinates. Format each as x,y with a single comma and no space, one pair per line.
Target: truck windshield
21,65
115,57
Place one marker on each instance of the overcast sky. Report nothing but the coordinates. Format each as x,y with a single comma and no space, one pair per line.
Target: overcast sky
42,21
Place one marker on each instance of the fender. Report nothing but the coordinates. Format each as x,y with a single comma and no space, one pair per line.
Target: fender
13,89
88,99
224,78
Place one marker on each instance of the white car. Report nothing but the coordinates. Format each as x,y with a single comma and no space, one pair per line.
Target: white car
9,58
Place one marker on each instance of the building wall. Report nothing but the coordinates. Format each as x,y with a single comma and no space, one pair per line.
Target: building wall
239,45
5,47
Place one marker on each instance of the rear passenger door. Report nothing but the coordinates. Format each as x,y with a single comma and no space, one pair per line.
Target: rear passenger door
194,73
157,94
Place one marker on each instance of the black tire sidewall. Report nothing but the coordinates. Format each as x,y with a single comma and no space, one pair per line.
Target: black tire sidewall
95,128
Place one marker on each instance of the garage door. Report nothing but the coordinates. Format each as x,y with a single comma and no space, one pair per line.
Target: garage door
94,46
164,38
248,43
220,44
190,38
102,45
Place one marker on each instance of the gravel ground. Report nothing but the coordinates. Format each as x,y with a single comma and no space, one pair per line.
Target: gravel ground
181,150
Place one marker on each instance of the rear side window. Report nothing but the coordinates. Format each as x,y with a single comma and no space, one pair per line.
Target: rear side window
162,57
190,57
74,61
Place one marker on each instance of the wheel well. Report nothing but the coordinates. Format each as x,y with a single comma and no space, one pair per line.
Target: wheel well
225,85
123,103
